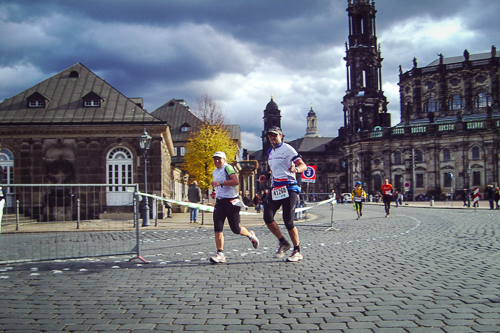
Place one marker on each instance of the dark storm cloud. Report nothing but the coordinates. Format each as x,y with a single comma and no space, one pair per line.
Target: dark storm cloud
238,51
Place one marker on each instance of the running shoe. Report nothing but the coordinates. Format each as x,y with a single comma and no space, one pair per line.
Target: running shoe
254,239
295,256
282,248
218,258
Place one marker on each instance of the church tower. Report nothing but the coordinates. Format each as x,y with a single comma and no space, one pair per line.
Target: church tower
365,106
272,117
312,125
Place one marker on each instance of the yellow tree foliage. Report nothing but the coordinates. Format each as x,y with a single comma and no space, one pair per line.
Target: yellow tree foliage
200,148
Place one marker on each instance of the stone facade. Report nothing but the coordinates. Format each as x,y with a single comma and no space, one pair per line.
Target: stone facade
448,136
74,128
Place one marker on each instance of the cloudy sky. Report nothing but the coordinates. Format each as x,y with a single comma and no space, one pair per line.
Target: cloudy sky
240,52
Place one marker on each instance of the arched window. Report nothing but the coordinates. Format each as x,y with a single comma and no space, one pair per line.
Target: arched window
476,178
420,180
119,164
398,182
482,100
377,182
7,163
431,105
476,153
419,156
446,155
455,103
397,157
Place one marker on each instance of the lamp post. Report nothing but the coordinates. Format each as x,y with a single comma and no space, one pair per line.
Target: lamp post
469,172
145,142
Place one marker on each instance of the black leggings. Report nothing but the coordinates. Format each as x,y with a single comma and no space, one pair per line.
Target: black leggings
289,204
225,209
387,204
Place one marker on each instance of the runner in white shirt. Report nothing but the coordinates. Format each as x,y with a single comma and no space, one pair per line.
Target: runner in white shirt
284,162
226,206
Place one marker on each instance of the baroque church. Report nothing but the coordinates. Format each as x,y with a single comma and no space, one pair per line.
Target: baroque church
447,139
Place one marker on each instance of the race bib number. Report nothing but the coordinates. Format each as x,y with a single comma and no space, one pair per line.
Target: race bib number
280,193
357,199
237,202
388,192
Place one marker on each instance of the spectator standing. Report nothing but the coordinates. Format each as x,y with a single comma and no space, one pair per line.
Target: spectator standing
246,200
256,202
489,193
194,196
167,206
496,197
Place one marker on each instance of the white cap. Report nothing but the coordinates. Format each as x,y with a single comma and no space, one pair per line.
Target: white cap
220,154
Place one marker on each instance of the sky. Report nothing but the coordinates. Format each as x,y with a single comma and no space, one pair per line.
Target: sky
238,52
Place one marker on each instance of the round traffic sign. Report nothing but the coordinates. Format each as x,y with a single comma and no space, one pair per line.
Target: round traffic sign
309,173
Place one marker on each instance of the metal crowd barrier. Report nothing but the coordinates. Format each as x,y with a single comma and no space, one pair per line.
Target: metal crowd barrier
47,221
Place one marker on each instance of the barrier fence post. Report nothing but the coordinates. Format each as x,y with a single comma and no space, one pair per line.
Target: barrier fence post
332,209
136,222
156,211
202,212
78,213
17,215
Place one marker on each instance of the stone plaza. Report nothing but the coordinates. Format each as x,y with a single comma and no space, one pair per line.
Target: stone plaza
423,269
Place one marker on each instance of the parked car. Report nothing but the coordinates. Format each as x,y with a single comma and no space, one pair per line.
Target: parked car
347,197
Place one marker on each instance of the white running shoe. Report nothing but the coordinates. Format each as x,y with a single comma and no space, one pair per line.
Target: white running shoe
296,256
282,248
218,258
254,239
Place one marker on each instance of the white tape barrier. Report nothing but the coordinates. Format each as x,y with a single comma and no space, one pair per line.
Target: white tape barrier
210,209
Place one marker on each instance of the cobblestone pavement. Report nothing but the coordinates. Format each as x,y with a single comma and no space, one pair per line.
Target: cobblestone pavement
420,270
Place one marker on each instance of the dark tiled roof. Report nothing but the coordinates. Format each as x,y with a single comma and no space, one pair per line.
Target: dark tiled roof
177,114
310,145
457,59
64,93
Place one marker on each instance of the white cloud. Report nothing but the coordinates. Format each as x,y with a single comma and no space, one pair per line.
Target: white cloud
20,77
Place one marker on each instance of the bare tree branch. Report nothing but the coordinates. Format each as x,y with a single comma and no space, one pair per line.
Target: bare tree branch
209,111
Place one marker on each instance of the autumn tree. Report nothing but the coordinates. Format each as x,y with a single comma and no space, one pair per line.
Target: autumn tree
200,148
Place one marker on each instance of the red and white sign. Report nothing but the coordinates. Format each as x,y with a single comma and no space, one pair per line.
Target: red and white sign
309,176
476,195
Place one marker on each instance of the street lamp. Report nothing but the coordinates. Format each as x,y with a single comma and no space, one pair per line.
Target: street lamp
145,142
469,172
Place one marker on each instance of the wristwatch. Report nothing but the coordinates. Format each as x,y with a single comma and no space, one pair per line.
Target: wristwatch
221,184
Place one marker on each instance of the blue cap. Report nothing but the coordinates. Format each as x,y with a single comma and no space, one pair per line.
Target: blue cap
359,183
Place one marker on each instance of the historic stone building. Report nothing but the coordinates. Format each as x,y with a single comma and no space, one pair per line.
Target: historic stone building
448,136
75,128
